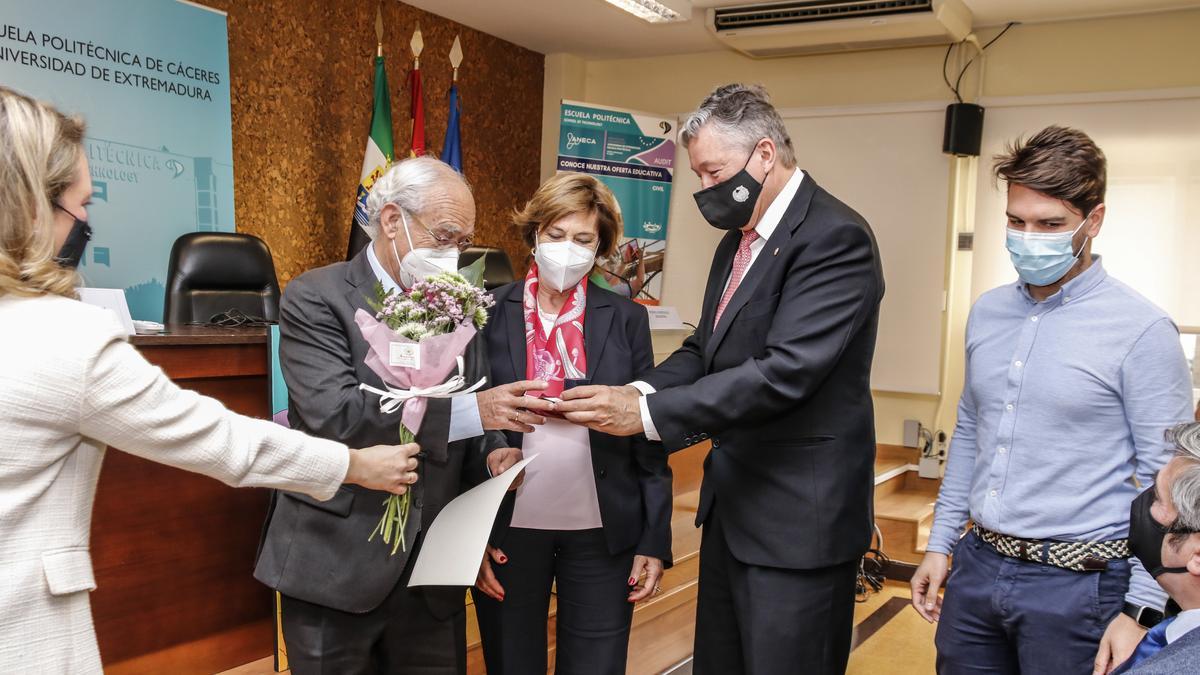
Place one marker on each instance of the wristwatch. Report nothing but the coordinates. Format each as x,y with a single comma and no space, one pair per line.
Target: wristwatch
1147,617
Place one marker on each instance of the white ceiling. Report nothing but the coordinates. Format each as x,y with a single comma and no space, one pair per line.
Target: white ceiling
596,29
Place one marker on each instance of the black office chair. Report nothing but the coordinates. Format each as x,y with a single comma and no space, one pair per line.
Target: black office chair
497,268
214,272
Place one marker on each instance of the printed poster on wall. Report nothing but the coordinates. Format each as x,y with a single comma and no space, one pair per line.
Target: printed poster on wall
151,78
633,154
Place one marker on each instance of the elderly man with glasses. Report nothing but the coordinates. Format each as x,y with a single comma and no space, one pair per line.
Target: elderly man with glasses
346,607
1164,530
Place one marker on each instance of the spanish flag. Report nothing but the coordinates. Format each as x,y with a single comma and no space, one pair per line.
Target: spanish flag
418,112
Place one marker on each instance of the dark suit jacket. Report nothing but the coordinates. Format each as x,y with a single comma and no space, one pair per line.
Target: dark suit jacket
782,389
318,551
1181,657
633,480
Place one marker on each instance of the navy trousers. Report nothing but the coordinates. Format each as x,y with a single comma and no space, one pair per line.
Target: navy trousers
1004,615
754,620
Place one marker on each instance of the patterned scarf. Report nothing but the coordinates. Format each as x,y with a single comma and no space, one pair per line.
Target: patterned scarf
559,355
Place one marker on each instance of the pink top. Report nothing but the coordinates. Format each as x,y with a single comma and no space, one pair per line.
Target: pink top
559,491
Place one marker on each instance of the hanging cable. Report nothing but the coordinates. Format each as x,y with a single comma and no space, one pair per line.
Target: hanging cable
961,73
946,61
946,78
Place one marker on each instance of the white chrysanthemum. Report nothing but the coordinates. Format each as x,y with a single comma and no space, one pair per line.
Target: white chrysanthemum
414,331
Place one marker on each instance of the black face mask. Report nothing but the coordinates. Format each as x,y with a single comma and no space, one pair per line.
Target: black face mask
1146,536
72,249
730,204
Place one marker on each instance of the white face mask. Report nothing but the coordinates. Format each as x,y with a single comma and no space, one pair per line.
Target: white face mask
563,264
420,263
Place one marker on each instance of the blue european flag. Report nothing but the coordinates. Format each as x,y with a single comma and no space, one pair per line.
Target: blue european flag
452,145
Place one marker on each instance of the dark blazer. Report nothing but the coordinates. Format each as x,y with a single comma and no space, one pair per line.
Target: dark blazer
318,551
782,389
633,480
1181,657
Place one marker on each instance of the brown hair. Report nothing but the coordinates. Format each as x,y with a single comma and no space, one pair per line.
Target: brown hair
565,194
1061,162
39,153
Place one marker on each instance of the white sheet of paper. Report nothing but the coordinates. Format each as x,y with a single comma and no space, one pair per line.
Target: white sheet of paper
112,299
455,543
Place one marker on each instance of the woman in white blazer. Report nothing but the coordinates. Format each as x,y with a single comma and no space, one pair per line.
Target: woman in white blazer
70,384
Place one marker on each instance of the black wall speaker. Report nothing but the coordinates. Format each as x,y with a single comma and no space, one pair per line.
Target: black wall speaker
964,129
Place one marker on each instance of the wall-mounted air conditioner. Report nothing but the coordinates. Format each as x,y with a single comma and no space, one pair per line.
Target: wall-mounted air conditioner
816,26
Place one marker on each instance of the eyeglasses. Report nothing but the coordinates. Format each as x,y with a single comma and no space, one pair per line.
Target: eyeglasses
442,241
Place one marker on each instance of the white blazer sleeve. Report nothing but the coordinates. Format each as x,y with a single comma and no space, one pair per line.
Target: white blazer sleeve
130,404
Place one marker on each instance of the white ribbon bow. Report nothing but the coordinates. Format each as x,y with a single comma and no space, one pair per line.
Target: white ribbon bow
394,399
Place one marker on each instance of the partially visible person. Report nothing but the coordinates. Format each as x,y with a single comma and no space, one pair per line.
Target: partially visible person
1071,378
1164,530
71,384
345,602
777,378
593,518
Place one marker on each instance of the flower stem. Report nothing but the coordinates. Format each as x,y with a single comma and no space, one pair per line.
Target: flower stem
394,522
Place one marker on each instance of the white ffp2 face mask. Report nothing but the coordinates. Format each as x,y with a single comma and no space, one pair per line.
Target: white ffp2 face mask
563,264
421,263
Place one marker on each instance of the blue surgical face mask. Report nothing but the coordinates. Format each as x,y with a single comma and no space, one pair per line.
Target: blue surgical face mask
1042,258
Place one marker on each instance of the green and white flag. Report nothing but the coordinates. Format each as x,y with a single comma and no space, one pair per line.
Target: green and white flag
378,157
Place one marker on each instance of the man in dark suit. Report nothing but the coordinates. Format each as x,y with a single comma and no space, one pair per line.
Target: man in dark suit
346,606
777,377
1164,533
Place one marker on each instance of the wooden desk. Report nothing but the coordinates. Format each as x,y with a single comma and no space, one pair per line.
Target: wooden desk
174,551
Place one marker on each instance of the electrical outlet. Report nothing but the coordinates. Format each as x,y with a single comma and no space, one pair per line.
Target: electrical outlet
930,467
912,433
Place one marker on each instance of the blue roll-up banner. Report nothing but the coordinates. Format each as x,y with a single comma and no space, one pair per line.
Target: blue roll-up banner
151,78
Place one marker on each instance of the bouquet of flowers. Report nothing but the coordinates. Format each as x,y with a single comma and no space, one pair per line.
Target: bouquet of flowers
415,339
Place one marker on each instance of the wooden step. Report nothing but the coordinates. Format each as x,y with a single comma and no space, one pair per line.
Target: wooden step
885,465
904,514
905,506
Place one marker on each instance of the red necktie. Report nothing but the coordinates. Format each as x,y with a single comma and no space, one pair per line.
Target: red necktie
741,262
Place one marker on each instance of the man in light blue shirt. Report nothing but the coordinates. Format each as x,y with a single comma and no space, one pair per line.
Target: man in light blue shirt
1071,379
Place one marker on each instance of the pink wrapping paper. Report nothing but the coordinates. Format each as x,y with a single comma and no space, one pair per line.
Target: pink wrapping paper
439,358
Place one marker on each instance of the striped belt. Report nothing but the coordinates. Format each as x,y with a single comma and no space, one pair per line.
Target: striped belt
1081,556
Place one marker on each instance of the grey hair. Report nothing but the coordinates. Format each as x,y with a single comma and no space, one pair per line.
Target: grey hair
1185,491
744,114
408,184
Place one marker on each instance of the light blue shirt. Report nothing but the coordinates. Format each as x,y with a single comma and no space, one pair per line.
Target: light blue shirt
1065,401
465,421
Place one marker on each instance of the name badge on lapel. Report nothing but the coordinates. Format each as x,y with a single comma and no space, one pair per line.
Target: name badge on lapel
404,355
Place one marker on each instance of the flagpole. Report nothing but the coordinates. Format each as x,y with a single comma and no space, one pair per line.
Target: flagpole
417,44
379,28
456,56
452,145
